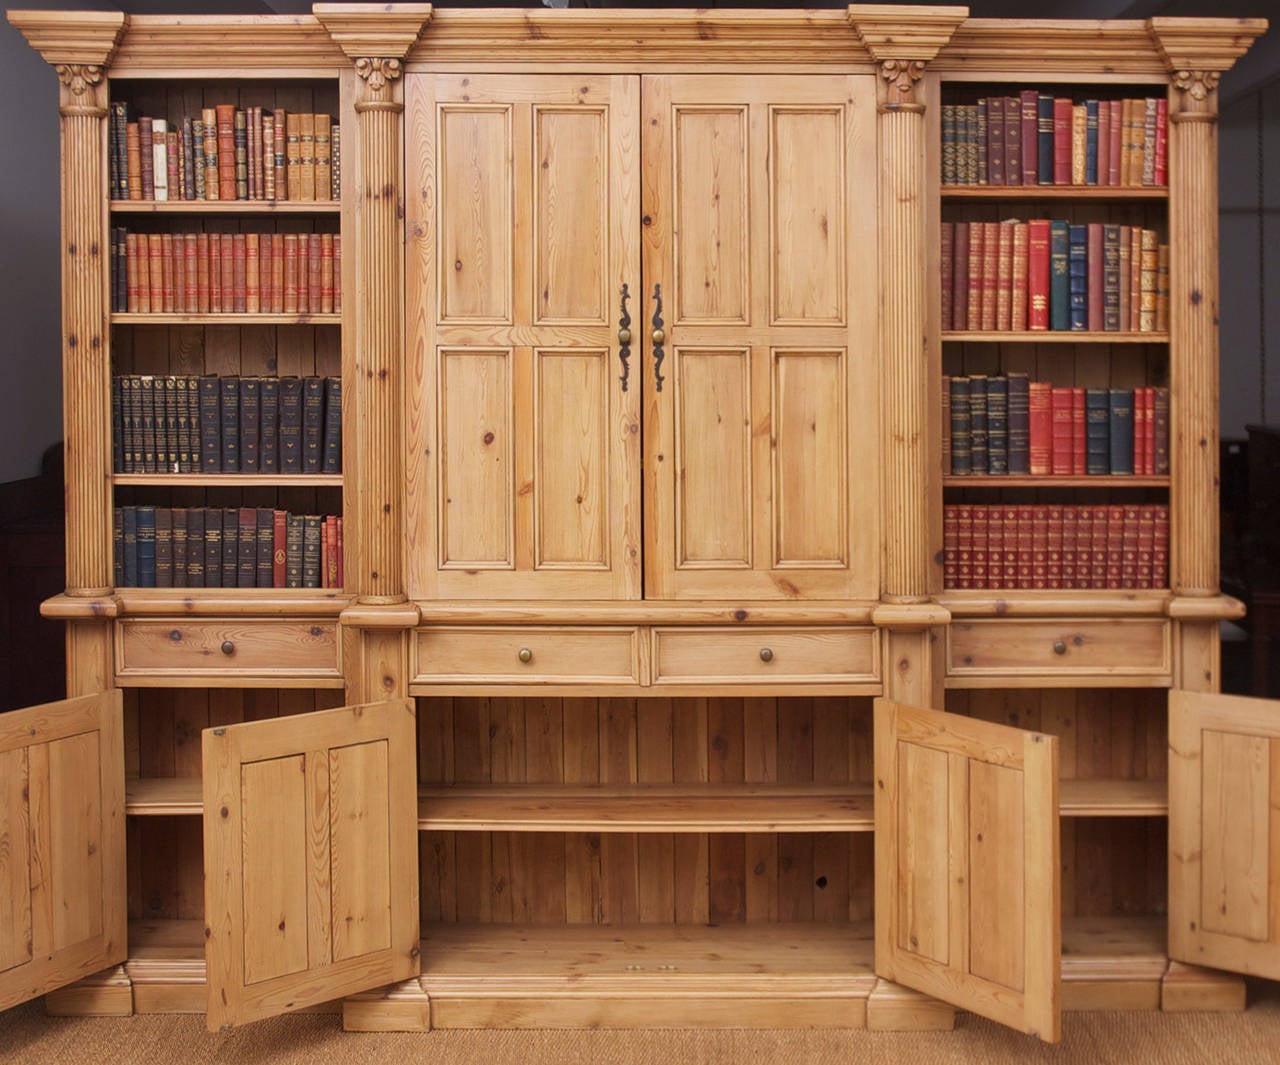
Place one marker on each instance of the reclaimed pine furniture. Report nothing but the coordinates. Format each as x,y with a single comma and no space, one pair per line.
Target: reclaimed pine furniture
643,524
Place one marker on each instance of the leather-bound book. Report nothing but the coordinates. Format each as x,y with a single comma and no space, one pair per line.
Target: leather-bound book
195,547
226,126
1162,288
118,460
1139,431
1062,118
1069,533
1115,546
995,140
1012,140
331,551
1029,124
1104,144
997,425
247,548
995,547
189,159
1078,450
250,425
293,155
950,547
252,263
279,545
199,191
212,179
1062,432
977,238
229,277
129,547
202,272
312,424
290,425
210,424
291,272
1146,546
1044,139
311,537
1110,278
277,273
117,547
1091,142
1160,550
981,162
964,546
1160,431
1115,160
1129,548
946,269
230,409
239,265
167,452
990,274
1079,141
326,273
1018,299
306,157
148,421
280,160
1004,275
267,155
949,144
315,275
264,566
146,547
1078,276
293,551
1120,429
1149,141
331,461
1094,291
342,579
133,160
269,425
959,281
978,551
1053,549
335,163
1059,276
164,170
133,424
1040,423
191,273
1097,432
1160,169
1148,272
179,522
146,157
323,157
213,547
176,253
337,273
1019,423
215,273
131,274
264,273
240,145
1039,272
231,546
978,422
183,413
961,440
155,261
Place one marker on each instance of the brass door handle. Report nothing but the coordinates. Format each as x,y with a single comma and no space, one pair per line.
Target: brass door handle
659,338
624,338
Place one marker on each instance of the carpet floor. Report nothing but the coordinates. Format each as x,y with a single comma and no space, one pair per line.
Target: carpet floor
28,1037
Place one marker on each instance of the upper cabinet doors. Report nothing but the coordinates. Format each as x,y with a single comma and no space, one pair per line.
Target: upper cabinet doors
762,414
758,374
523,214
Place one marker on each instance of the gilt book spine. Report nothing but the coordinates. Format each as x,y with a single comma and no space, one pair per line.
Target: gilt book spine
146,157
213,548
323,157
290,425
306,157
240,145
279,547
1091,142
293,551
230,409
196,547
961,444
1029,102
946,263
335,162
212,166
995,141
1040,428
1044,139
250,425
315,275
182,412
148,421
949,144
146,546
311,533
247,548
1094,261
1120,429
1018,309
1059,276
199,188
189,159
1160,167
1062,432
265,552
973,311
210,425
1004,275
1078,276
1104,147
1019,424
269,425
312,424
226,125
1115,153
1039,272
129,547
960,280
231,547
1012,140
1097,432
998,425
1079,140
281,155
252,276
332,459
978,423
180,547
1062,119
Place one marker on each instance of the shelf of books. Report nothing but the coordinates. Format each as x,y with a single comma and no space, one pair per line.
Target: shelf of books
226,341
1054,272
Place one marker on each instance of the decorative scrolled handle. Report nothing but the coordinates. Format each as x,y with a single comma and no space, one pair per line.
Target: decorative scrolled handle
659,338
624,338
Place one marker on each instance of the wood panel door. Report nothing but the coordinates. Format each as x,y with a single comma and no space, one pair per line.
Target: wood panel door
311,859
762,414
1224,832
968,878
524,423
62,844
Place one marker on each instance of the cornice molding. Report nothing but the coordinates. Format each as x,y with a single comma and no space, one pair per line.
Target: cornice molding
72,39
1194,47
373,31
905,34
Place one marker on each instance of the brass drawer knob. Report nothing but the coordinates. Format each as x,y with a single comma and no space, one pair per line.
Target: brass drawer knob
228,648
766,655
1059,648
525,655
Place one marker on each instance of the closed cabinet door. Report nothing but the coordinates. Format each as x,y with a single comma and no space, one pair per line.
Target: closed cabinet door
761,394
522,225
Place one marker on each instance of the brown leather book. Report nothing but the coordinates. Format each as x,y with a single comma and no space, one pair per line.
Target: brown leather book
211,172
166,273
267,156
280,161
279,554
226,120
252,291
326,273
133,159
1094,260
315,274
293,155
191,272
1004,275
238,275
291,273
323,174
337,273
277,273
306,157
202,273
216,303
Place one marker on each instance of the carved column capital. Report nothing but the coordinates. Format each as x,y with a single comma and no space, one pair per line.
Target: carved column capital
378,70
1197,84
78,76
901,76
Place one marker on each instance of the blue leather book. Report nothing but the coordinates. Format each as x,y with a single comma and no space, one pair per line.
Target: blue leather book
997,425
1019,424
1097,427
1120,429
978,422
1044,139
1078,274
1059,286
961,442
1091,142
129,546
146,547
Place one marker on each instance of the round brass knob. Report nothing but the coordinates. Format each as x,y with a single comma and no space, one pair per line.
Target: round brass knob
1059,648
228,648
525,655
624,336
766,655
659,336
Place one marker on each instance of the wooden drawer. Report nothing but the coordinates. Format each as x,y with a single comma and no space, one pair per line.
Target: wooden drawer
719,656
240,652
527,655
1073,650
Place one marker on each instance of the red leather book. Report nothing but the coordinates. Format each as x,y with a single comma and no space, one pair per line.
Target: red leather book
1139,433
215,273
1012,140
1069,526
1093,252
228,272
252,273
1040,418
202,273
191,253
337,289
291,273
1029,103
1104,141
178,271
1129,548
995,547
946,270
226,117
264,272
155,260
990,273
1162,141
1098,573
279,550
1024,528
304,249
1062,433
1038,274
1004,275
1053,549
1115,543
1160,549
331,542
1062,118
1009,530
1149,430
1018,308
239,267
1079,444
1084,547
979,556
1116,142
327,279
1039,546
131,272
1146,545
277,273
973,316
964,546
959,281
144,274
342,573
951,546
315,273
995,140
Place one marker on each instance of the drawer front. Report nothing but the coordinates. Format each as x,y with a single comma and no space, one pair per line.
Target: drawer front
1115,648
527,655
238,650
766,656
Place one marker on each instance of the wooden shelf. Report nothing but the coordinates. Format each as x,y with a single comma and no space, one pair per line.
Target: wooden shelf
1106,480
651,808
162,797
1113,798
219,602
1055,192
1051,336
226,319
1056,602
229,480
1113,962
226,207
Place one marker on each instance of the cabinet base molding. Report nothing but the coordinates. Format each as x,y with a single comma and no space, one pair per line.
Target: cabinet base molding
894,1008
1189,987
399,1008
105,994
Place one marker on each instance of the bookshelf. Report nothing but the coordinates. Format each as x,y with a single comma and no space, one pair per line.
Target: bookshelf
624,685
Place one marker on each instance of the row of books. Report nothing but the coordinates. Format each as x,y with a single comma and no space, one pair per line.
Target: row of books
235,547
1006,424
1035,138
1049,274
226,273
1035,546
225,153
180,423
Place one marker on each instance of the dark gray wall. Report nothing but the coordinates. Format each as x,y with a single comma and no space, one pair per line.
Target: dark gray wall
30,397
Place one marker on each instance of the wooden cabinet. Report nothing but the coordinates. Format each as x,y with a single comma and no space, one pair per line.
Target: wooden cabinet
644,556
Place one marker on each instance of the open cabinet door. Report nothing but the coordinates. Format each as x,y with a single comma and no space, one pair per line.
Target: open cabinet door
311,859
1224,832
62,849
968,892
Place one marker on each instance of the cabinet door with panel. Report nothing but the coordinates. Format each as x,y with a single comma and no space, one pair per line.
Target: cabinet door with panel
62,844
524,467
311,850
761,397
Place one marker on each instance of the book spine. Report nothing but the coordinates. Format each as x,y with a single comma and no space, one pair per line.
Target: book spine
1004,276
1040,423
995,547
196,547
1144,575
946,424
119,462
267,153
252,280
324,176
1091,142
315,274
1111,278
279,536
1115,152
331,551
239,266
1094,260
250,425
182,412
146,547
1044,139
946,264
311,537
280,160
998,425
229,271
1115,544
159,160
1149,141
180,547
1062,121
960,279
134,447
231,547
1059,279
1160,168
973,310
264,567
1018,300
981,144
269,425
291,273
129,547
247,547
1120,430
1135,278
1012,140
1160,431
189,159
306,157
964,546
337,273
950,546
995,140
1039,546
226,126
173,161
167,457
290,425
213,548
230,411
240,146
312,423
1097,432
1061,434
1104,147
949,144
133,163
1077,432
1078,273
118,162
1150,268
146,157
961,440
1079,142
978,423
253,154
1028,134
332,460
326,273
335,183
1039,271
1019,424
978,548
